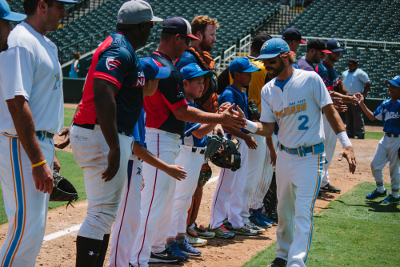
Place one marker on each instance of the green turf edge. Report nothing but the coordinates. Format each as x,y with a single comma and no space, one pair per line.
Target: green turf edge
351,231
374,135
68,115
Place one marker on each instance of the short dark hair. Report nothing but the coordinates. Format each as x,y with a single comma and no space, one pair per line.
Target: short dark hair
30,6
166,37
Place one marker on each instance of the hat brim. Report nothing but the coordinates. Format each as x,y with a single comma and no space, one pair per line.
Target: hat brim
68,1
302,41
266,56
337,50
252,69
392,83
163,72
156,19
191,36
326,51
14,16
205,73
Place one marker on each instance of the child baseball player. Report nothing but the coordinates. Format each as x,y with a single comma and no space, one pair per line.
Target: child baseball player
389,146
128,217
191,157
231,184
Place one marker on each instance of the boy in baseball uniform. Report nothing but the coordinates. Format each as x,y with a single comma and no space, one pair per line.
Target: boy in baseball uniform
389,147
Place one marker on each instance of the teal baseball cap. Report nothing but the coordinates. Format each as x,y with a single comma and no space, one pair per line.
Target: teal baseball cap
7,14
273,47
395,81
193,70
152,70
242,64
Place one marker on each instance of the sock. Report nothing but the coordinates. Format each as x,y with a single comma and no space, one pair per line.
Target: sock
395,193
380,187
170,242
180,239
87,251
103,251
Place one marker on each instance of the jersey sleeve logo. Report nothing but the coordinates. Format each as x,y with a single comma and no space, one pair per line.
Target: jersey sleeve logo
112,63
57,83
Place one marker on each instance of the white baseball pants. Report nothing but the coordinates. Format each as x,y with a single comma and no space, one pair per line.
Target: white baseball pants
126,225
192,162
157,197
330,145
387,151
26,207
257,198
298,180
90,151
229,191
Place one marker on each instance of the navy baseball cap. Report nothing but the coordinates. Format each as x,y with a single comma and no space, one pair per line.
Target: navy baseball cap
178,25
292,34
193,70
242,64
68,1
395,81
318,44
334,46
273,47
152,70
7,14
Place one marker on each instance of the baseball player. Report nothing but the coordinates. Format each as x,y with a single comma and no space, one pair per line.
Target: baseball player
292,37
316,50
389,147
295,99
191,158
231,184
32,112
101,133
166,113
128,217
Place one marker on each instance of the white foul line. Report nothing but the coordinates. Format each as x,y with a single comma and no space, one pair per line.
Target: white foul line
62,232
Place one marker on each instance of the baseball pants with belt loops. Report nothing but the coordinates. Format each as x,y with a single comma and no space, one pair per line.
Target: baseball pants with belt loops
192,162
127,223
157,197
330,145
228,197
26,207
298,180
91,151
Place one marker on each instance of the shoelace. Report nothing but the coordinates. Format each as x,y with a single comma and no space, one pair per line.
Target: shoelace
223,228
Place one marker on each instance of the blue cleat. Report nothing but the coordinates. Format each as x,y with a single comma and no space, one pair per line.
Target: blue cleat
188,249
259,221
374,194
390,199
174,250
265,218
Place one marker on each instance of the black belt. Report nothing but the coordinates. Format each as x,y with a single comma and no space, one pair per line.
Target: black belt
91,127
196,149
391,135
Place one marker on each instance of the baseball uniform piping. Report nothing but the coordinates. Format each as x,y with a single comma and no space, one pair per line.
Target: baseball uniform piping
216,198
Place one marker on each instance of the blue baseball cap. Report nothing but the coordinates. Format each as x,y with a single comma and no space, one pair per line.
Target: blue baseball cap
273,47
152,70
68,1
7,14
395,81
334,46
193,70
242,64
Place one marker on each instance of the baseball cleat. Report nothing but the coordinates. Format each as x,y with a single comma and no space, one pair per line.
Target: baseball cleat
200,231
374,194
188,249
329,188
169,255
254,227
278,262
241,231
390,200
195,241
259,221
267,219
222,232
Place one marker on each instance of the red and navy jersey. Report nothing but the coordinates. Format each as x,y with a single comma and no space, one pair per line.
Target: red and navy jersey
115,60
328,75
168,97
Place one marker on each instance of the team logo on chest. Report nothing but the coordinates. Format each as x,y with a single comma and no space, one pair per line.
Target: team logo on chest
292,109
112,63
57,84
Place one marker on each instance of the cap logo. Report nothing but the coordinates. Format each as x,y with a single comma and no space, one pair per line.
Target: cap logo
264,46
397,77
198,68
337,44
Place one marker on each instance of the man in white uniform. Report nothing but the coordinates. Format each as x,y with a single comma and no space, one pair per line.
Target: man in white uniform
31,113
295,99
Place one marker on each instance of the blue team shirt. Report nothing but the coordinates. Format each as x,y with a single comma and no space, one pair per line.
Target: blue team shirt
328,75
188,138
233,95
139,132
389,113
186,59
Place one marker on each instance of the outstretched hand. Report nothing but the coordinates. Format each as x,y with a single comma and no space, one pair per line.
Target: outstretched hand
360,98
176,172
231,118
348,153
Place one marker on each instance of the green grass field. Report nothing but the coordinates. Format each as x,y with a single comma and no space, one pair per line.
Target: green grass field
350,232
374,135
68,115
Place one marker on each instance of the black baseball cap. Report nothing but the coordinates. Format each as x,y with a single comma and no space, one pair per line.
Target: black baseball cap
318,44
334,46
353,61
178,25
292,34
259,40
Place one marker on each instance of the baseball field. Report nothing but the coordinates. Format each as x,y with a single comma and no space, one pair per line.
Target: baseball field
348,230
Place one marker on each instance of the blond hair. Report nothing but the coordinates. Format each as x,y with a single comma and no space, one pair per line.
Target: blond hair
292,57
200,23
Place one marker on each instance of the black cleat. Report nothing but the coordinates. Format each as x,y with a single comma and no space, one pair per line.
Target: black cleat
330,188
278,262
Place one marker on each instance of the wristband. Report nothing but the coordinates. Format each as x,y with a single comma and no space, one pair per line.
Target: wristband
38,164
251,126
344,139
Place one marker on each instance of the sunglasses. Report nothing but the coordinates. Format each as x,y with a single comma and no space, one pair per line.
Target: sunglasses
187,39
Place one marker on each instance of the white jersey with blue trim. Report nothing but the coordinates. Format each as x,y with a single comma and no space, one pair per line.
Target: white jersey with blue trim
389,113
296,108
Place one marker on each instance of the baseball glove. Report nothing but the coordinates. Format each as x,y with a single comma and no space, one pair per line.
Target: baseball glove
214,144
252,111
229,157
63,190
205,174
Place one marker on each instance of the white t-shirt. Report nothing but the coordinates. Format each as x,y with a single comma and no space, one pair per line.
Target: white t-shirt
30,68
296,109
354,82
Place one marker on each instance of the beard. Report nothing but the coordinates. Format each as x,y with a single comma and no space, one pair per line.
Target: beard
333,58
206,45
275,71
316,59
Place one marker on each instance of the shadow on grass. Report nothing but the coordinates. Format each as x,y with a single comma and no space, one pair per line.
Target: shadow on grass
375,206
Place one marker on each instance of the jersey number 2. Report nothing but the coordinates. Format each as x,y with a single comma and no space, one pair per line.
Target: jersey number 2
303,126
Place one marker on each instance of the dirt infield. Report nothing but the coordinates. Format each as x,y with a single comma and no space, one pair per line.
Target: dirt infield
61,251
